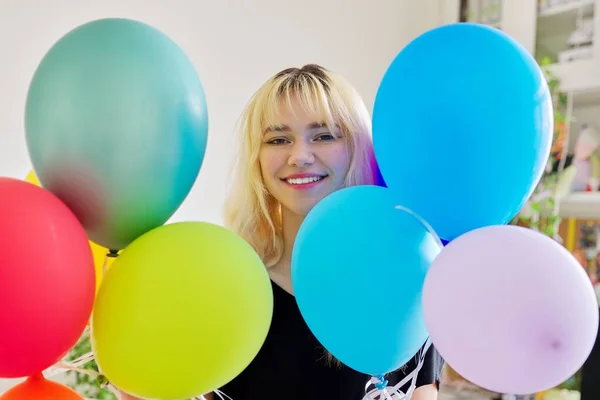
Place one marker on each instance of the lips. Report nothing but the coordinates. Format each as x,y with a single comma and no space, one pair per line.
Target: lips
303,179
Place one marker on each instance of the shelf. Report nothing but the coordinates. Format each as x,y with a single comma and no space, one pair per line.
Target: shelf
586,98
497,24
486,12
568,9
582,205
576,76
557,25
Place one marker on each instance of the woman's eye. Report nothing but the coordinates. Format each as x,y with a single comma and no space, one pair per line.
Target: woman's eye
325,137
277,141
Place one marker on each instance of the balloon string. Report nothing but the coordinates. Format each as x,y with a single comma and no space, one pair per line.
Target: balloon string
75,365
395,392
70,367
62,366
221,395
105,265
109,254
381,392
87,357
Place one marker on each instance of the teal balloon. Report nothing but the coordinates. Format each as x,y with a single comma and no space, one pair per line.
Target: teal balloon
116,126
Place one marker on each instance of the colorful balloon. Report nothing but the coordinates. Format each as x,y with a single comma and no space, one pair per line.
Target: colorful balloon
510,309
184,310
39,388
47,279
116,126
101,261
468,100
358,258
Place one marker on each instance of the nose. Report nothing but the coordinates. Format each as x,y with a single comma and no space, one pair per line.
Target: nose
301,155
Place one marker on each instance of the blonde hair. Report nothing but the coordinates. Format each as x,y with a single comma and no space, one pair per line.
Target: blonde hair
251,211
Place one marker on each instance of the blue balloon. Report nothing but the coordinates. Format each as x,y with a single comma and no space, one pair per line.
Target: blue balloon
358,268
468,100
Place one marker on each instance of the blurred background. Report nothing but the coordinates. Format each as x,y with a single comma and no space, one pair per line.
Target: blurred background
236,44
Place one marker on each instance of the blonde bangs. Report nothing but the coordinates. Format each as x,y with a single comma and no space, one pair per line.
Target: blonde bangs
305,91
251,210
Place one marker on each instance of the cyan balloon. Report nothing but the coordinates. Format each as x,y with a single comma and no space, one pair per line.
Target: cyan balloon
116,125
462,127
358,269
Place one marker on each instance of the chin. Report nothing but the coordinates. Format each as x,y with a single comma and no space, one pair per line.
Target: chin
300,209
302,205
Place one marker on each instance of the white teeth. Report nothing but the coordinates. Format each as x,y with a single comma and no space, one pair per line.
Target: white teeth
303,181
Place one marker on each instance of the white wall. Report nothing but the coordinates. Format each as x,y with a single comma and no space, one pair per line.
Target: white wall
235,45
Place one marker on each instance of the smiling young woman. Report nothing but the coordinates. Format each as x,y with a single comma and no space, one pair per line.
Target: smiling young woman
305,134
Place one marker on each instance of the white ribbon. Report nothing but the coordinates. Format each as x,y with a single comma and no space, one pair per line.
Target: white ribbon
387,393
218,393
395,392
63,366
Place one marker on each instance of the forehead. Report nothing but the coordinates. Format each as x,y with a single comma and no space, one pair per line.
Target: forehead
297,112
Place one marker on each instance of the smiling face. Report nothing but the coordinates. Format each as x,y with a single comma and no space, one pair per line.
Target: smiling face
277,147
301,159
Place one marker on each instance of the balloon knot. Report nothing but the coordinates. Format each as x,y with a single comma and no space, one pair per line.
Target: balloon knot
102,381
379,382
112,253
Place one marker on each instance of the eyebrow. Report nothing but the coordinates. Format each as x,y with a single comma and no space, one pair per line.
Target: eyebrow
285,128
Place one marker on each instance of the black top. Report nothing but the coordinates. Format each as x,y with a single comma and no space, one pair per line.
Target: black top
292,364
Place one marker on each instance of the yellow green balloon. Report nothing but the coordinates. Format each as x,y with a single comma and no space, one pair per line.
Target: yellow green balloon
181,312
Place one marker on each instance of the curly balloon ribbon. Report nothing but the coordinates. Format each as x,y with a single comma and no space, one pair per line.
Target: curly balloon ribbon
75,366
221,395
384,392
380,392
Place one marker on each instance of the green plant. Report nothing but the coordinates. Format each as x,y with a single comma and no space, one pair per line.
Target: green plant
88,385
541,211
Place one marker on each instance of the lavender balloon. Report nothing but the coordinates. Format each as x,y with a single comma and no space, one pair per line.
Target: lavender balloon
510,309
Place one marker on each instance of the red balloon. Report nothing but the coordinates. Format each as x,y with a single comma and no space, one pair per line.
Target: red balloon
39,388
47,279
